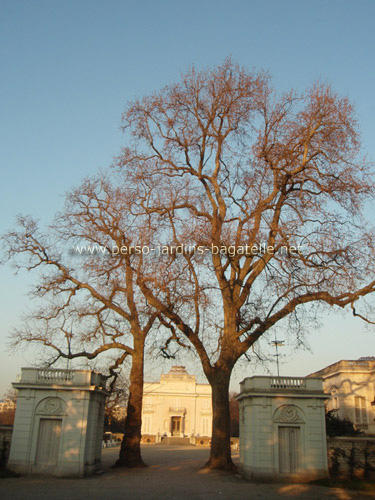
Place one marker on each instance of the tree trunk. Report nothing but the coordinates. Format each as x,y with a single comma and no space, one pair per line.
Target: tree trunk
220,455
130,452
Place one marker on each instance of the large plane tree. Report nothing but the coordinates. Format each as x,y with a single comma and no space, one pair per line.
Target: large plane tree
257,203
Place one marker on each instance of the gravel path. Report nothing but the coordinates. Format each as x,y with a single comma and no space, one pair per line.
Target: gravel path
174,473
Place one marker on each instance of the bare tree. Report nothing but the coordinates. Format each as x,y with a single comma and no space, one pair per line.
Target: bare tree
90,304
261,197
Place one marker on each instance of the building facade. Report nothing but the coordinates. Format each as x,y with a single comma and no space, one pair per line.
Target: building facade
351,387
177,406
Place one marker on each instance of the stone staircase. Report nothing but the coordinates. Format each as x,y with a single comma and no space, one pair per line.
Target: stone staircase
175,441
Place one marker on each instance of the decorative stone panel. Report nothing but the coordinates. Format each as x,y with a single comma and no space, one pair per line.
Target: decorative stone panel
51,406
288,414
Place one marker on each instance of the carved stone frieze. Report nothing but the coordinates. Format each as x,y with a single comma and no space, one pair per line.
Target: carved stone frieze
51,406
288,413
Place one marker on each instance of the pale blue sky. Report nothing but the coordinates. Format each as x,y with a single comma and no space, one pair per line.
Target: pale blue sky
69,67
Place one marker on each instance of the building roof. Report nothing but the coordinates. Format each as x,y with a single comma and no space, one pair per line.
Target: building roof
177,379
364,364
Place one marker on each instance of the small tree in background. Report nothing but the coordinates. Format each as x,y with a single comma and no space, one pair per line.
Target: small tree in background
234,411
8,411
337,426
116,403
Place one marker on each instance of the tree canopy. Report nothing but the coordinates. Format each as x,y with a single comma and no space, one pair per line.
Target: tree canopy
263,193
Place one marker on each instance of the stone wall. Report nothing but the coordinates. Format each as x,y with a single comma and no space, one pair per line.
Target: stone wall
5,440
351,457
148,439
203,441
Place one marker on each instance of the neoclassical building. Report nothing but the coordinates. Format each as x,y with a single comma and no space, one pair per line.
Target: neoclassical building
177,406
351,386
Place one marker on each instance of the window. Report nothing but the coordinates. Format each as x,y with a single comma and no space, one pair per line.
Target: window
360,410
204,426
334,398
147,406
147,424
